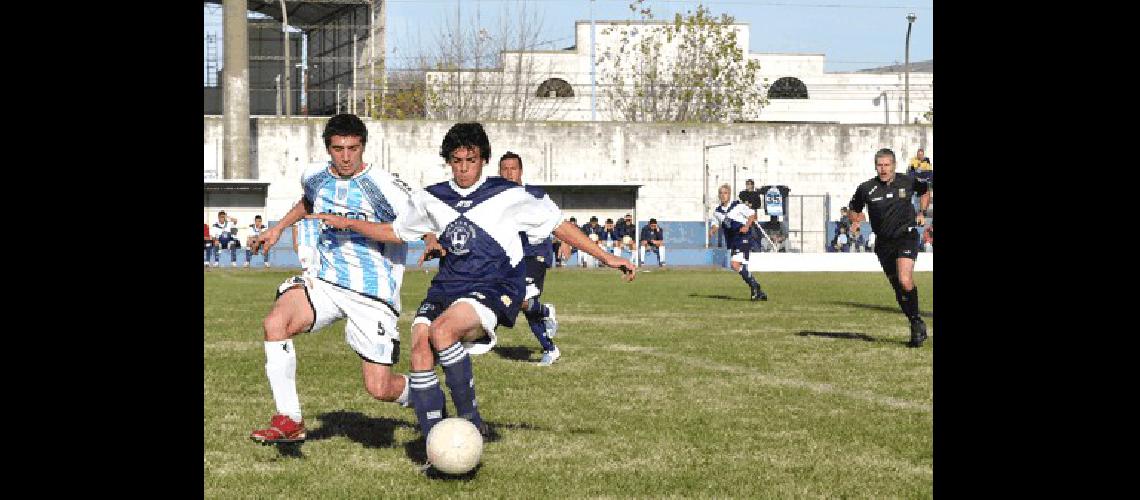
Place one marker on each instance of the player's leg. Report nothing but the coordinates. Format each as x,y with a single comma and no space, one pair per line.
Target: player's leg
465,320
908,299
540,317
424,392
292,313
370,330
234,246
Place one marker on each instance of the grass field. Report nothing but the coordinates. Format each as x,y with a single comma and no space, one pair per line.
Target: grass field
674,385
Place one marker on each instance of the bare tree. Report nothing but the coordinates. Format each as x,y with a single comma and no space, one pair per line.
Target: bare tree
690,69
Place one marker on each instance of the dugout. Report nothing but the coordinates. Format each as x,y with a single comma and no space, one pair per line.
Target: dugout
606,200
241,198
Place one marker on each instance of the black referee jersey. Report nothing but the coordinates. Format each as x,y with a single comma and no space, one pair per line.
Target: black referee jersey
889,205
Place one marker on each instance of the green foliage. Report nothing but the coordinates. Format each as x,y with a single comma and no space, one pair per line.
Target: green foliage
673,386
692,69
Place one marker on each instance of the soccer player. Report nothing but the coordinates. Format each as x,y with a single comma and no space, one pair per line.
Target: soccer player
481,279
255,229
653,240
887,197
541,317
356,277
738,221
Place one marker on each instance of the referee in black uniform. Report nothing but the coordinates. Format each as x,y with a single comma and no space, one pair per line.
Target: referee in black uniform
888,198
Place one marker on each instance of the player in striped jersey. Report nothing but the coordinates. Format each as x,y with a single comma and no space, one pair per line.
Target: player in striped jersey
481,279
357,278
737,219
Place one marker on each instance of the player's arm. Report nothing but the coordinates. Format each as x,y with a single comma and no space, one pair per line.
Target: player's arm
269,237
855,207
572,235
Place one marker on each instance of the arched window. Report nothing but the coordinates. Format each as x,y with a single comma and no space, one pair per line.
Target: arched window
788,88
555,87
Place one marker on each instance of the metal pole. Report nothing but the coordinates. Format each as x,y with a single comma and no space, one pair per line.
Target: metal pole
277,87
338,98
593,66
906,65
371,57
288,66
705,193
352,107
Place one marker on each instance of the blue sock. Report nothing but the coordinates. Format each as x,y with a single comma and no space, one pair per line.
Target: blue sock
461,381
427,399
538,327
744,273
536,306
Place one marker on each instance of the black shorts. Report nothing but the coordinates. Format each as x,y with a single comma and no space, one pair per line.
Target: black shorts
535,273
502,300
888,250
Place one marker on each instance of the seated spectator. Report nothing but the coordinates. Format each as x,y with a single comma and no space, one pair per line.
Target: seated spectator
928,238
251,235
208,245
593,231
856,239
841,242
627,231
843,220
653,240
611,238
224,236
558,245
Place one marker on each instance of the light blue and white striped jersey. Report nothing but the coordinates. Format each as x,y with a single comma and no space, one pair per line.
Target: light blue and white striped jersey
350,259
308,230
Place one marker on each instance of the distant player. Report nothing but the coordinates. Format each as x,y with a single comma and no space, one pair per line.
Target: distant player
356,277
481,280
738,221
893,220
537,258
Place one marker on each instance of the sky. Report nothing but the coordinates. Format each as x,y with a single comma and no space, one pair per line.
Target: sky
852,34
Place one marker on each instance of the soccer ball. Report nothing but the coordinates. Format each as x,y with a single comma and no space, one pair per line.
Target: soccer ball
454,446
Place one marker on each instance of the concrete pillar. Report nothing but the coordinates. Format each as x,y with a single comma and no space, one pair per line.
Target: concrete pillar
235,107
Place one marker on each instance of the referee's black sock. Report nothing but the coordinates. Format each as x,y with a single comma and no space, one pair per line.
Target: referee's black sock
908,300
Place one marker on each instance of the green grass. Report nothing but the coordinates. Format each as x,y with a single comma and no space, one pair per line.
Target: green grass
671,386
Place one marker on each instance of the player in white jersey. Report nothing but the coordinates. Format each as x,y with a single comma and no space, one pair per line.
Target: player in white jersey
255,229
481,280
737,219
357,278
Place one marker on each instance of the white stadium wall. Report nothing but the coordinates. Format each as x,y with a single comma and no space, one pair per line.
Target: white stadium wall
664,159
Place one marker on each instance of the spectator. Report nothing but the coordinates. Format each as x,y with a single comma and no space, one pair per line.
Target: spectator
921,168
841,243
653,240
627,231
928,238
843,220
223,235
208,245
754,198
856,239
611,238
255,229
593,231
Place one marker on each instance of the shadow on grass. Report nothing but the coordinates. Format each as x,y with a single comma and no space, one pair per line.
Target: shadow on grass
368,431
895,309
721,297
849,336
515,353
289,450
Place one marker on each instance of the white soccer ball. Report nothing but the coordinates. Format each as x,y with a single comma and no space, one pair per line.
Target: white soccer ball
454,446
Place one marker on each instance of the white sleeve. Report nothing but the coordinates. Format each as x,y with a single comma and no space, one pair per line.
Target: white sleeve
414,221
538,218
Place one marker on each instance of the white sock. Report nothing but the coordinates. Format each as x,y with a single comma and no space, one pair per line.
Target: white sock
641,254
661,255
403,399
281,368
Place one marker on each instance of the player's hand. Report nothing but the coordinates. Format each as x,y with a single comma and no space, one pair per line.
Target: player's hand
623,264
432,249
330,220
266,240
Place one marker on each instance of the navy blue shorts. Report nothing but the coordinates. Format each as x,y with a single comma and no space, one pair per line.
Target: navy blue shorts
500,298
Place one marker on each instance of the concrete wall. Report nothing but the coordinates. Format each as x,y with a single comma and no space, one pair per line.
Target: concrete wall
812,159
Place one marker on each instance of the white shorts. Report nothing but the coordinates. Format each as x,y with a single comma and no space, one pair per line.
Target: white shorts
370,329
487,320
738,256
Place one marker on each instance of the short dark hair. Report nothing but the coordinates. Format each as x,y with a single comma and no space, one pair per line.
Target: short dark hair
594,218
466,135
749,181
345,124
509,155
652,220
609,220
223,212
885,152
257,217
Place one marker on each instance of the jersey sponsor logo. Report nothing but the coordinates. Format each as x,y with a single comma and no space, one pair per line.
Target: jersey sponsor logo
463,204
458,236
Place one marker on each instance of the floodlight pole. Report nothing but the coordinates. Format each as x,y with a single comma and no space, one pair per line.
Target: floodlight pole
288,67
906,65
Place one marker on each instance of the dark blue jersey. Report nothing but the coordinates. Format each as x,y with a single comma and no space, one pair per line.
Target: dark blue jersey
647,233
